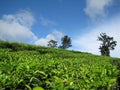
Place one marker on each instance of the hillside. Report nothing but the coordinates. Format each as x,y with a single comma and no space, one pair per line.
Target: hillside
29,67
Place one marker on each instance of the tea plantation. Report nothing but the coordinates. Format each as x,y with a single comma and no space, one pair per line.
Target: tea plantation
29,67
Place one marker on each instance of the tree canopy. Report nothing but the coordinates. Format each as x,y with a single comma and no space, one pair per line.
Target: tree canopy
66,42
107,44
52,43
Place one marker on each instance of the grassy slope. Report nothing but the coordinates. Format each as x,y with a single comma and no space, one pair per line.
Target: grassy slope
24,66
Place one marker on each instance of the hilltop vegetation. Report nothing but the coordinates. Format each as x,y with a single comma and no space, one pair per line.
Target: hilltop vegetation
29,67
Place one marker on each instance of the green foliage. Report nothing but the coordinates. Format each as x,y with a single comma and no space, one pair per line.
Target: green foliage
107,44
52,43
66,42
56,69
38,88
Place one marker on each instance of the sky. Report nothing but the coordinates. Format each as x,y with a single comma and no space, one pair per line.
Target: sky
38,21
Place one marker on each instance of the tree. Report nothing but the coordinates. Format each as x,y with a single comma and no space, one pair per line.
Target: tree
52,43
66,42
107,44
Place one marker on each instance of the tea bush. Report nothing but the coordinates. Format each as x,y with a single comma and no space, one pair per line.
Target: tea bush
44,68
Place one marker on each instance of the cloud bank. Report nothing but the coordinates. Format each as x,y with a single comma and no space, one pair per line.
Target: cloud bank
88,42
17,27
97,8
55,35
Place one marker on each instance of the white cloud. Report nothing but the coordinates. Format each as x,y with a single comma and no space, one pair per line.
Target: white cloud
17,27
46,22
96,8
44,41
88,42
55,35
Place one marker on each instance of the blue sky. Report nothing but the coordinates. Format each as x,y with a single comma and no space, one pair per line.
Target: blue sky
38,21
